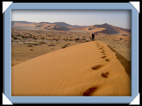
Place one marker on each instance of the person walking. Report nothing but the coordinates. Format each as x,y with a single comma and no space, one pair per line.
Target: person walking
93,36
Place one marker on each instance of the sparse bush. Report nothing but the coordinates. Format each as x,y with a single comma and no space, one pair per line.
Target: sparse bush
15,38
30,35
68,43
19,35
31,49
51,45
30,45
24,36
87,40
76,39
83,39
42,42
34,38
64,46
12,35
42,38
36,44
66,39
70,39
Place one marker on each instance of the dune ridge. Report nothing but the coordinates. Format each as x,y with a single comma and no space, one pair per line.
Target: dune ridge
87,69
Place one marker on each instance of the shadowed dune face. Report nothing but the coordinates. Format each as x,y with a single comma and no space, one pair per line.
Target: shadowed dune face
74,71
109,29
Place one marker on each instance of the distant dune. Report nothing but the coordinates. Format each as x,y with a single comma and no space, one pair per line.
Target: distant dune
103,28
87,69
112,29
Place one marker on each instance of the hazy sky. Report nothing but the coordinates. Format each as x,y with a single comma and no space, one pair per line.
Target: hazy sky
121,18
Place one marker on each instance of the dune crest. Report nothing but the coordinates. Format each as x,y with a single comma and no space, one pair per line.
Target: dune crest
87,69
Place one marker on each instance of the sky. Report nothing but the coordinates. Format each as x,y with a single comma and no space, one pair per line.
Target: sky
120,18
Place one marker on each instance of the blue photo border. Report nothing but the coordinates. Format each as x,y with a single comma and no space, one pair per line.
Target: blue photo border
72,99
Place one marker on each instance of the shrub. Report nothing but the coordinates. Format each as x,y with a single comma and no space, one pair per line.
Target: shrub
15,38
64,46
87,40
42,42
70,39
68,43
51,45
30,45
31,49
66,39
19,35
24,36
34,38
77,39
36,43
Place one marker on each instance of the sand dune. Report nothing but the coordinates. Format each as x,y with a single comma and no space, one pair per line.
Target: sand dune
87,69
102,28
89,29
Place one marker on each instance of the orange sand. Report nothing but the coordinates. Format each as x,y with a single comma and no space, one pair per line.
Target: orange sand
89,69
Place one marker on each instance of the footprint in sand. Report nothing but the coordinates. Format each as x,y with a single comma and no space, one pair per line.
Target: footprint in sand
89,91
103,54
101,48
103,57
97,67
105,75
97,44
102,51
107,60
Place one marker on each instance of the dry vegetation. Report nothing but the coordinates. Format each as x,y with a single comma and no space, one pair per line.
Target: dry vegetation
27,44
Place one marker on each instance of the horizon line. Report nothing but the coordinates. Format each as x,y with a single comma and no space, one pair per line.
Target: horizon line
72,24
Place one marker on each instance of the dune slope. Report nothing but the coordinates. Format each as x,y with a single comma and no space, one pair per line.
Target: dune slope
87,69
